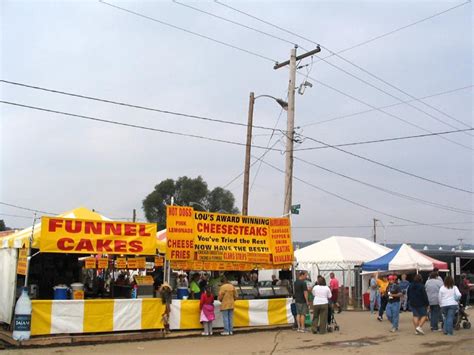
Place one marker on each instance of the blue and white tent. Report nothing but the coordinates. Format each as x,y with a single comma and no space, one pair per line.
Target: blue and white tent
401,258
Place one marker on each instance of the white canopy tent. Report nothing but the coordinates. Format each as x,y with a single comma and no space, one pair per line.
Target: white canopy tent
338,254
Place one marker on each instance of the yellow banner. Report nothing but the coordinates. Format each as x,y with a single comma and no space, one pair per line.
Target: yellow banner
67,235
22,260
282,247
121,263
103,263
224,239
159,261
90,263
179,233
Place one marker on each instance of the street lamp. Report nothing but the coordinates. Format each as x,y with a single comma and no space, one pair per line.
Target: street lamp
198,204
284,105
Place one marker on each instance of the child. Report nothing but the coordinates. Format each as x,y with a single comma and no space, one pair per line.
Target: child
165,293
207,310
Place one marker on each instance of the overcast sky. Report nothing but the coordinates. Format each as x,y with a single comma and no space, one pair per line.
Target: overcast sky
55,163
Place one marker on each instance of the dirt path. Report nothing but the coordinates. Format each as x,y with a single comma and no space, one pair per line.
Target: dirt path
359,333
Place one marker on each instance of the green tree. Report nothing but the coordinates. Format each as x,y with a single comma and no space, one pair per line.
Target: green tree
186,192
3,227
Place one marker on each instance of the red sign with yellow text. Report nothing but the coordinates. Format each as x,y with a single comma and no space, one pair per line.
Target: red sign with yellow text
282,247
67,235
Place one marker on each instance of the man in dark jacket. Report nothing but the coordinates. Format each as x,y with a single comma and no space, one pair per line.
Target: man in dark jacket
418,301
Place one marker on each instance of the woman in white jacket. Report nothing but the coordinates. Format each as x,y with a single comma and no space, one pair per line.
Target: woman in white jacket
448,296
322,294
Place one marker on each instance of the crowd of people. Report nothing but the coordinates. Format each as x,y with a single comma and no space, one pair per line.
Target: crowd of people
436,300
321,298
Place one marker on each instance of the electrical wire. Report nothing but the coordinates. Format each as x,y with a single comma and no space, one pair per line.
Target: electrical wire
130,125
391,167
359,204
383,111
236,23
356,45
272,129
367,72
188,31
14,215
371,226
26,208
224,141
383,107
121,103
391,192
252,164
387,139
272,60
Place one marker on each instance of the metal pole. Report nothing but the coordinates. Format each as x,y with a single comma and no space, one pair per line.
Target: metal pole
248,146
290,134
28,257
375,230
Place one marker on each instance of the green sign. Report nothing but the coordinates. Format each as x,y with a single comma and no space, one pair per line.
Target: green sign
295,209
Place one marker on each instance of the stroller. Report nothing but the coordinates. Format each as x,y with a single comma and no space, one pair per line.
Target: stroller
332,324
461,318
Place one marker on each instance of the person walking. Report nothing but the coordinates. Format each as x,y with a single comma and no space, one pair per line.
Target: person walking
227,296
394,293
206,305
448,297
382,283
432,286
373,293
464,289
418,301
334,287
322,294
300,290
404,284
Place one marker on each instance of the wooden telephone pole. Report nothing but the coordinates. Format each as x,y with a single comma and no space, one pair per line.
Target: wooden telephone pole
290,131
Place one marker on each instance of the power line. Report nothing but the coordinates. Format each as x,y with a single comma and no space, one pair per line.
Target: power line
362,80
189,31
391,167
252,164
371,226
236,23
272,60
26,208
356,45
14,215
399,29
391,192
121,103
388,139
273,129
130,125
383,111
359,204
387,106
223,141
393,96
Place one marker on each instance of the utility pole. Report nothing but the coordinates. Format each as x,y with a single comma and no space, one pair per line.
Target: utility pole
290,132
375,230
134,218
245,198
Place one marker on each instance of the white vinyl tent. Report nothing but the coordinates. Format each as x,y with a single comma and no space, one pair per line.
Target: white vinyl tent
339,254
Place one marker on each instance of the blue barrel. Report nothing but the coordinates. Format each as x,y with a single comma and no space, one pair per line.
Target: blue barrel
182,291
60,293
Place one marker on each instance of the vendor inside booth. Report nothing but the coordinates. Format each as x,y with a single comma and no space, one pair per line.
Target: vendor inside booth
88,274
